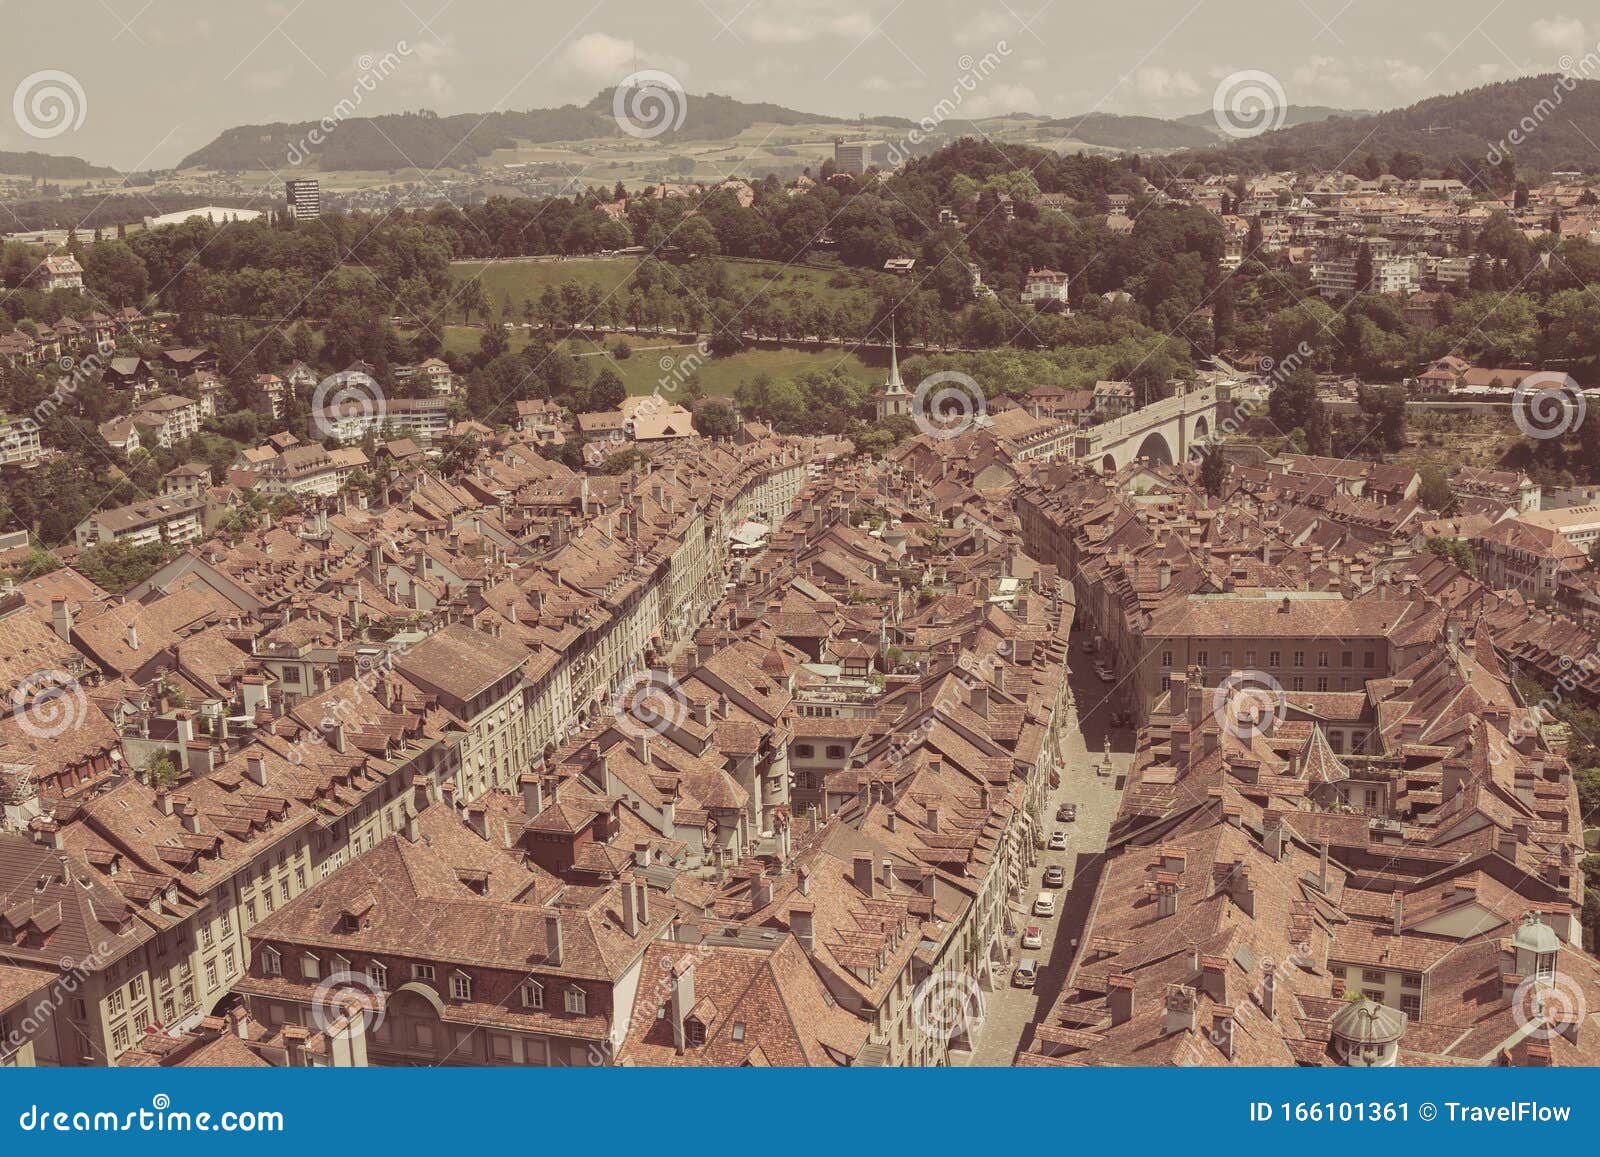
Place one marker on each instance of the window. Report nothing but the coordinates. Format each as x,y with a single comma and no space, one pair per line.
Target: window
1227,658
266,899
136,987
695,1032
114,1003
1411,1005
283,889
271,963
205,936
1299,683
1374,997
1322,682
1166,658
1367,659
422,972
119,1038
169,1011
1336,970
1299,658
211,975
310,966
1374,975
249,911
835,751
1202,657
228,959
1249,658
460,987
577,1000
141,1020
1322,658
1411,980
532,994
1344,658
378,974
1274,658
300,879
804,750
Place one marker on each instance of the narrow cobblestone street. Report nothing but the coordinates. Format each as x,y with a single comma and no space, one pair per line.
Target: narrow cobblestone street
1010,1011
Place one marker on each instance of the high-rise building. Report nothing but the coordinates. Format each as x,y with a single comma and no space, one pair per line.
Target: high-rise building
304,197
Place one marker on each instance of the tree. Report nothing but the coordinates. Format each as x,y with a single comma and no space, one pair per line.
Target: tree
1434,492
1213,471
715,418
1454,550
607,391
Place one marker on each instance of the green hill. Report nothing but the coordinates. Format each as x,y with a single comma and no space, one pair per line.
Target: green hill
46,167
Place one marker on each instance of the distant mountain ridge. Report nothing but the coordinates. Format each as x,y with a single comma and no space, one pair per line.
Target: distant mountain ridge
47,167
1466,131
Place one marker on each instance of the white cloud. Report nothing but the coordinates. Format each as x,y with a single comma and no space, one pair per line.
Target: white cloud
777,32
599,57
996,99
1159,84
1558,32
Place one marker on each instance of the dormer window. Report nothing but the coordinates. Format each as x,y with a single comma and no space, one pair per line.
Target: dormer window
271,962
310,966
378,974
694,1032
460,986
577,1001
532,994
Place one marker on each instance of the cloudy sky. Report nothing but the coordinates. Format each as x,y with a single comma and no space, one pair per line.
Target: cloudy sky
148,81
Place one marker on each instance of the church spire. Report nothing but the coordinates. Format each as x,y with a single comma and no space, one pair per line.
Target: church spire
894,385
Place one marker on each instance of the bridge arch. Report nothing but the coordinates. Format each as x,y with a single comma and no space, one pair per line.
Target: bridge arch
1156,449
1108,464
1202,429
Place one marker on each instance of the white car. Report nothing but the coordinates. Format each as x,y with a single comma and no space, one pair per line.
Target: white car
1107,675
1033,936
1026,974
1044,904
1058,841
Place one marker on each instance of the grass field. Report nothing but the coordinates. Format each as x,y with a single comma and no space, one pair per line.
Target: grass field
507,284
645,369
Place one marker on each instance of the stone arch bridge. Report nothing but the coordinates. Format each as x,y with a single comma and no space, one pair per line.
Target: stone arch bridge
1163,432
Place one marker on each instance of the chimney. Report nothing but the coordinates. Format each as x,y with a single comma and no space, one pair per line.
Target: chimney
682,999
255,770
1180,1009
1399,911
191,819
1119,996
200,758
133,636
1272,835
630,914
888,875
933,817
532,794
641,902
1243,891
980,700
1214,978
552,940
801,923
1163,575
61,618
1269,984
863,877
336,737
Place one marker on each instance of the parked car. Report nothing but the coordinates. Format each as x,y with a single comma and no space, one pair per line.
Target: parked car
1058,841
1055,876
1087,645
1026,973
1033,936
1066,813
1105,673
1044,904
